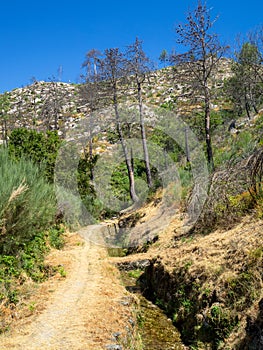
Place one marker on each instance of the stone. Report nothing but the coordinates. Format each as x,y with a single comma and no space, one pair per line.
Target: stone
113,347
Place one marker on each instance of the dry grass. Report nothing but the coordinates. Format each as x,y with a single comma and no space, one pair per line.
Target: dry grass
88,300
16,193
226,265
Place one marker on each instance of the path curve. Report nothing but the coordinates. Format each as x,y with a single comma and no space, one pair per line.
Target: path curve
83,312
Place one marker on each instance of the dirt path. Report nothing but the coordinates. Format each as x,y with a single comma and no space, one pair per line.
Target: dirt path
85,310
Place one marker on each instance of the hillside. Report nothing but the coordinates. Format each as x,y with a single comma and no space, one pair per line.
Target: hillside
192,242
37,105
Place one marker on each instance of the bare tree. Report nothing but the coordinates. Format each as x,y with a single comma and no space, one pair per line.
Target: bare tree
200,62
90,64
164,57
138,65
53,103
90,96
113,69
34,98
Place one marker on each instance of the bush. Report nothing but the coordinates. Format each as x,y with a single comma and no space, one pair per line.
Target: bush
56,238
235,191
39,147
31,259
27,203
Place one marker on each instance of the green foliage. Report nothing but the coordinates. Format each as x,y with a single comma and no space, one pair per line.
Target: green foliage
4,104
220,322
39,147
249,55
55,236
120,183
11,268
195,308
235,148
170,105
27,203
257,253
165,142
135,273
62,271
245,85
31,258
242,290
186,177
196,122
86,189
243,145
27,261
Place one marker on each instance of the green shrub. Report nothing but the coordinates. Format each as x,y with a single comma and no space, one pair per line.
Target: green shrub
243,145
56,238
27,203
220,322
39,147
165,142
31,258
235,148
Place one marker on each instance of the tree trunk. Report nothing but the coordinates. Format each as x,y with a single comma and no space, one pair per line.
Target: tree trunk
128,161
187,151
144,140
91,159
255,108
208,132
247,109
91,148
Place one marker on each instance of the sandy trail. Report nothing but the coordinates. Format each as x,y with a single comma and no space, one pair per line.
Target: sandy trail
85,310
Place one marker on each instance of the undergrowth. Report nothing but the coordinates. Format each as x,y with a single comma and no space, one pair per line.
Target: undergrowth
28,264
27,229
206,306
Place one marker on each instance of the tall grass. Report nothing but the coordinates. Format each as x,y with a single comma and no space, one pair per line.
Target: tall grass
27,203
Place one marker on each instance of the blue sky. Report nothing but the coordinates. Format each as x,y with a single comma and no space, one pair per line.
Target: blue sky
38,37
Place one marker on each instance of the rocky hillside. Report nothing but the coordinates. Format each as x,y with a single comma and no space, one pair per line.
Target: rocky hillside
56,105
36,105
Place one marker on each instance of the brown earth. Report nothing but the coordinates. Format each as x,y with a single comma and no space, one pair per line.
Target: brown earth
85,309
81,311
215,261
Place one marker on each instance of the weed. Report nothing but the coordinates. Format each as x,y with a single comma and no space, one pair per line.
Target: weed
32,306
241,290
56,238
62,271
221,322
256,253
187,304
188,264
187,239
140,320
160,303
135,273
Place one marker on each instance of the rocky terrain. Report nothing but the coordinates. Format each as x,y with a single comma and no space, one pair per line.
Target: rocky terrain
57,105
